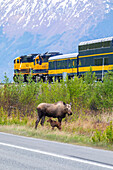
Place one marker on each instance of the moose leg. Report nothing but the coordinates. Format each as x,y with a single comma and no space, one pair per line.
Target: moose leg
42,121
37,121
60,119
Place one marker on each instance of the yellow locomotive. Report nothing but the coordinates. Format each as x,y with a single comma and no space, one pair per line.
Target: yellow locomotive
33,64
24,65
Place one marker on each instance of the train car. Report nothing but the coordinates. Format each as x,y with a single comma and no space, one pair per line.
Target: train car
98,54
40,70
24,65
61,64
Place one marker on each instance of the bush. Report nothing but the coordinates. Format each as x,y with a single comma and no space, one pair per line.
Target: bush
84,94
106,136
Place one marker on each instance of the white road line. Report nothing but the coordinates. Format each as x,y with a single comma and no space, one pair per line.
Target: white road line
58,156
60,143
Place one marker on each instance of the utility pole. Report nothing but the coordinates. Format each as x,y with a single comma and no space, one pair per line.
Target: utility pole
102,69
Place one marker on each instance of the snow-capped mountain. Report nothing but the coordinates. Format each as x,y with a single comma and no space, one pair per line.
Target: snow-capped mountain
29,26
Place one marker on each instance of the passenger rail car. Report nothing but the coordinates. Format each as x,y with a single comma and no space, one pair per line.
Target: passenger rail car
66,63
98,54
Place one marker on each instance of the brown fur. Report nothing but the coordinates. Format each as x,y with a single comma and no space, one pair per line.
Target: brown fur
54,123
57,110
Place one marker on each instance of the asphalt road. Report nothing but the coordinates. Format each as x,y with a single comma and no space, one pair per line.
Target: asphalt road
24,153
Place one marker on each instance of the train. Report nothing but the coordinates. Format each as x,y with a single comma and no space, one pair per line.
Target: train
96,54
33,64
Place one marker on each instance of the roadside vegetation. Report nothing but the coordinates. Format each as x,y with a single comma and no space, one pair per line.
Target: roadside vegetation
92,106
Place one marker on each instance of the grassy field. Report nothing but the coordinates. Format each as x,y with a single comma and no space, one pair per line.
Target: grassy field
82,131
92,106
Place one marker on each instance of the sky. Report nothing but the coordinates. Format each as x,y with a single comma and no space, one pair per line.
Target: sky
38,26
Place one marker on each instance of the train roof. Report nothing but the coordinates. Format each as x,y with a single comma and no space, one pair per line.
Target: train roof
96,41
49,54
27,56
64,56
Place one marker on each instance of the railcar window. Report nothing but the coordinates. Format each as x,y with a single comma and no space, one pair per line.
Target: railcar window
58,63
79,48
83,61
106,44
82,48
112,42
74,63
51,65
98,45
70,63
94,45
91,46
64,64
85,47
99,61
106,61
14,61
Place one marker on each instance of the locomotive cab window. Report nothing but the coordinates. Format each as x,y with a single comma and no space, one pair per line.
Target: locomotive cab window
17,60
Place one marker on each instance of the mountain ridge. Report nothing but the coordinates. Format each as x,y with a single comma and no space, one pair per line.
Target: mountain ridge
33,26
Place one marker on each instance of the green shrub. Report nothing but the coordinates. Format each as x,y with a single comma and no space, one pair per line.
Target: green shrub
106,136
84,94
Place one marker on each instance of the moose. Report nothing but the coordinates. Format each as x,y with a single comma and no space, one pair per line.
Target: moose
54,124
57,110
